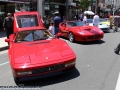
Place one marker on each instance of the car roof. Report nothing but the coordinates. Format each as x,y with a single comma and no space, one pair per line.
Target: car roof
17,28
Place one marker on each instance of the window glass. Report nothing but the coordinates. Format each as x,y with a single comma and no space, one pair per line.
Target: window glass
73,24
33,35
90,21
27,21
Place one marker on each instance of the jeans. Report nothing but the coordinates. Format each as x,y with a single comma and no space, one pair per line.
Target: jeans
56,31
116,26
9,31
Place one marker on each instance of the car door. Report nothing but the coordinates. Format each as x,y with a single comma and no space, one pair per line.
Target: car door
63,28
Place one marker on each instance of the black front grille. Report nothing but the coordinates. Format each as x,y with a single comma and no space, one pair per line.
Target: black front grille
48,69
104,28
93,37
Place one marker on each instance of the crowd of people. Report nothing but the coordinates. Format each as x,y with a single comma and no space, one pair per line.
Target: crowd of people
52,23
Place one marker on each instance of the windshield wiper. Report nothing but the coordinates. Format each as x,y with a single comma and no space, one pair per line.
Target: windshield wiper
23,40
39,39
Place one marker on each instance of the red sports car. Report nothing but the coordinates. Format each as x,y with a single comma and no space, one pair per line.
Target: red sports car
79,31
34,51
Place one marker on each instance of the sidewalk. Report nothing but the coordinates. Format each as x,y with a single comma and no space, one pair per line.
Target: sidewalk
3,44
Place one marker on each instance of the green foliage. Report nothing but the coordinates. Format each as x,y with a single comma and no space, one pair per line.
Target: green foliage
84,4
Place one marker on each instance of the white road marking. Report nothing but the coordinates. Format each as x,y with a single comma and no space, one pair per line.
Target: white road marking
4,63
118,83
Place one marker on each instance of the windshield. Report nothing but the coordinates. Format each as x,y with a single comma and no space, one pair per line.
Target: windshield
73,24
103,20
33,35
89,21
27,21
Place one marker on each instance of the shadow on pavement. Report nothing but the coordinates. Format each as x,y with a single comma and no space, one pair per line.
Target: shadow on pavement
51,80
4,48
87,42
2,34
91,42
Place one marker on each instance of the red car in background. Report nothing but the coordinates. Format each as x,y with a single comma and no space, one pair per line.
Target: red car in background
34,51
79,31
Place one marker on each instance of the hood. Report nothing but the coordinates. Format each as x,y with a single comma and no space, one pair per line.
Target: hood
41,51
90,30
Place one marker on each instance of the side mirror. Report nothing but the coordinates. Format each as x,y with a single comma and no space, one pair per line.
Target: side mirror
64,25
58,35
7,40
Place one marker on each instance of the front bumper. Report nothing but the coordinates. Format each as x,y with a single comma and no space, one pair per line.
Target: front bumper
89,38
41,76
105,29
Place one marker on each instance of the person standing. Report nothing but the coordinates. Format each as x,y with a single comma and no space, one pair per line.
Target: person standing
116,22
8,24
96,20
85,18
52,28
111,21
57,21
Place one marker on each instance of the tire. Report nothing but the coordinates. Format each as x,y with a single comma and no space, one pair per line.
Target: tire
16,79
71,37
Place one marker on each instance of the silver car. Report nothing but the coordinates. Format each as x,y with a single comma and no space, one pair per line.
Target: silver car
103,27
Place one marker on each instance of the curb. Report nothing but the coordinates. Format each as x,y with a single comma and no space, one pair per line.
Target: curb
4,48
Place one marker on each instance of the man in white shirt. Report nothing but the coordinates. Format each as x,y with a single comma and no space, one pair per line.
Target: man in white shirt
85,18
52,28
96,20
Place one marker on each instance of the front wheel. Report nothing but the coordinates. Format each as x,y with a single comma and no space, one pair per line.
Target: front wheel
71,37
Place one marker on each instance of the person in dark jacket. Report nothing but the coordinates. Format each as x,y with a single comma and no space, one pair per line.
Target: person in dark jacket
116,22
57,21
8,24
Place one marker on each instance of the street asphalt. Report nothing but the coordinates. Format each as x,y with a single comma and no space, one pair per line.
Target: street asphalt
97,68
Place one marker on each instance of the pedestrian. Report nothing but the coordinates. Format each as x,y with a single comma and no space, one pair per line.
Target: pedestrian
8,24
111,21
57,21
47,22
84,18
96,20
116,22
52,28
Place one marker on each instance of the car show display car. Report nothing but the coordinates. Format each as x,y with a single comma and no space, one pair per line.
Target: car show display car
34,52
79,31
103,26
106,21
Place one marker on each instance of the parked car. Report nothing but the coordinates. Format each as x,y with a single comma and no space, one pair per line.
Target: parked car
105,21
34,52
79,31
102,26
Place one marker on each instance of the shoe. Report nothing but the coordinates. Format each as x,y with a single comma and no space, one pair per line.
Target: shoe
117,52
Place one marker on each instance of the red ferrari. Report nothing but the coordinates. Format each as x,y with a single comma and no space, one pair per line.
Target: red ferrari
34,52
79,31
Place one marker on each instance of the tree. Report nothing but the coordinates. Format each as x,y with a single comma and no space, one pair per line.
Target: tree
84,4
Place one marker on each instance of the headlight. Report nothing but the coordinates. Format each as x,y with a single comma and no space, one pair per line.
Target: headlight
69,64
82,32
24,73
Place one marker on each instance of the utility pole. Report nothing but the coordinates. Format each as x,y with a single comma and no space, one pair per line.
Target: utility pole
96,7
113,4
67,9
